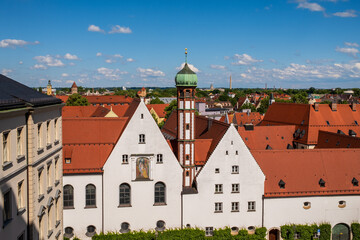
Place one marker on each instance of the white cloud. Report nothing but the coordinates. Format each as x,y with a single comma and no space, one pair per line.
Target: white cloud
109,61
64,75
49,61
119,29
20,62
350,51
117,56
39,66
192,67
130,60
71,57
351,44
69,81
314,7
6,71
93,28
148,72
57,81
99,54
72,64
217,67
244,59
347,13
112,74
5,43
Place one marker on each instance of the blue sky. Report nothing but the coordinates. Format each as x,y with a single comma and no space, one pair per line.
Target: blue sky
281,43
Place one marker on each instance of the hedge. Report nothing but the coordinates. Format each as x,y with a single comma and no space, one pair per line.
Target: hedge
355,229
306,231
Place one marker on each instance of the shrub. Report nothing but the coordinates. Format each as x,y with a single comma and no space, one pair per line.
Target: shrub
355,229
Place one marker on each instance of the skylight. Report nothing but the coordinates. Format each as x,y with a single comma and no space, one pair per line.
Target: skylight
355,182
322,182
281,184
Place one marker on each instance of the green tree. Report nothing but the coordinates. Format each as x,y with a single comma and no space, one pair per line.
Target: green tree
300,98
77,100
248,106
264,105
172,106
156,101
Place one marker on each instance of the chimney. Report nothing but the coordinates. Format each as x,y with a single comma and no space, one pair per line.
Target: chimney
333,107
316,107
209,123
353,106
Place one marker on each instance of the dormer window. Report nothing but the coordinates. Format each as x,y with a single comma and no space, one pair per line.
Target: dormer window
356,122
327,122
268,147
282,184
322,182
67,160
355,182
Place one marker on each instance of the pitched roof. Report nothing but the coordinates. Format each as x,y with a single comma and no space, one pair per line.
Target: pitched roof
336,140
301,171
93,111
242,118
158,108
63,98
16,95
109,99
74,85
277,137
306,118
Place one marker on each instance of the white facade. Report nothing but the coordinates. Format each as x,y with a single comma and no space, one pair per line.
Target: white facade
230,163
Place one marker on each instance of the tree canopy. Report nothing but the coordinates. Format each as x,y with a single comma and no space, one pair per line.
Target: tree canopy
77,100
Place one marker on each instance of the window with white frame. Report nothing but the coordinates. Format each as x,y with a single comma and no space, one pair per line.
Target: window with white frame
159,158
218,207
209,231
6,147
235,188
235,169
141,138
251,206
218,188
125,159
235,206
19,142
39,136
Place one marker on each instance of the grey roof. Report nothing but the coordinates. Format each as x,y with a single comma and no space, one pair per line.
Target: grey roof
16,95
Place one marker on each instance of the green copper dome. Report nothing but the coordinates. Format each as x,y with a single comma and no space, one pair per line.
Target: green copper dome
186,77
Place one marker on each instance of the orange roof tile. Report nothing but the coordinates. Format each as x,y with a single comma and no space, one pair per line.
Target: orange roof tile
301,171
242,118
78,111
336,140
277,137
63,98
158,108
74,85
202,147
109,99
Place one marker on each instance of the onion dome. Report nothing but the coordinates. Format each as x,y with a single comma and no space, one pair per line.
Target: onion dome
186,77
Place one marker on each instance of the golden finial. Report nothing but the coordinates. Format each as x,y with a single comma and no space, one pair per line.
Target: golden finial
185,55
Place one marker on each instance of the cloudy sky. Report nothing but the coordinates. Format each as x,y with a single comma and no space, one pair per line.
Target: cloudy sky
281,43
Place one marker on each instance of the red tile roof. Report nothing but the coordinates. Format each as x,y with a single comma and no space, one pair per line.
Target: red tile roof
301,171
158,108
109,99
63,98
306,118
202,147
243,118
277,137
73,85
93,111
336,140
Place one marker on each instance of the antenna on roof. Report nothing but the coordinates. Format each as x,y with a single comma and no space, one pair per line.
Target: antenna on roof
185,55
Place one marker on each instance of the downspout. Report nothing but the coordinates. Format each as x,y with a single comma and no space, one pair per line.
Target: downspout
102,201
263,208
182,210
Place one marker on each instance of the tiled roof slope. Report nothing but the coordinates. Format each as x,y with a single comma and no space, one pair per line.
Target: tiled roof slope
242,118
16,95
306,118
158,108
93,111
277,137
336,140
102,99
301,170
208,133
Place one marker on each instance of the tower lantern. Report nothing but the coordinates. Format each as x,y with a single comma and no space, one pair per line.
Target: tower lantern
186,82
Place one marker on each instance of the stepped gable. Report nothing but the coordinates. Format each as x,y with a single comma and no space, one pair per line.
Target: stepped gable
337,140
301,170
277,137
310,121
16,95
208,133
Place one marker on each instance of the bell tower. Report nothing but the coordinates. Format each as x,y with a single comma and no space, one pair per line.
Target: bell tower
186,82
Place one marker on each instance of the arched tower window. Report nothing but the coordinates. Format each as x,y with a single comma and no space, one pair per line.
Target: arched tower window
90,195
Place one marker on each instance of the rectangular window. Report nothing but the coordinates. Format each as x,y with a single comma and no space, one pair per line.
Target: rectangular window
48,133
125,159
159,158
218,207
56,129
227,152
67,160
235,169
7,207
6,148
56,169
236,152
217,170
235,188
235,206
20,195
251,206
141,138
40,183
218,188
187,126
19,142
209,231
39,136
49,183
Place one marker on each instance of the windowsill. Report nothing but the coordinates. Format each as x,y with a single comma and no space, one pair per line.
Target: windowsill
141,143
20,158
48,146
58,234
140,180
234,173
251,210
6,165
235,211
57,182
125,163
49,189
159,204
41,197
124,205
218,211
50,233
40,150
57,223
68,208
236,192
56,142
218,192
91,206
21,211
7,222
159,162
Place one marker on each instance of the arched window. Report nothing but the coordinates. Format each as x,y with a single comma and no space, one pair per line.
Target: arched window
90,195
125,195
68,196
160,193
